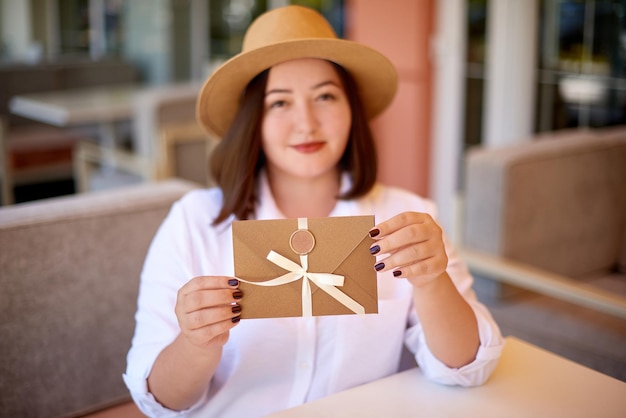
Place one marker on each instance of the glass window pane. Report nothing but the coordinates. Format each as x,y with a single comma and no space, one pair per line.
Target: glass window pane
475,80
582,75
229,21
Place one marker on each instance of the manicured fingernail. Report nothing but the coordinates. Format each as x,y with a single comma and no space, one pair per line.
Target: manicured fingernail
374,232
235,319
237,294
397,273
379,266
375,249
236,309
233,282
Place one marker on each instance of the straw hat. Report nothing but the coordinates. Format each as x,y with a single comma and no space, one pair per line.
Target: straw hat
284,34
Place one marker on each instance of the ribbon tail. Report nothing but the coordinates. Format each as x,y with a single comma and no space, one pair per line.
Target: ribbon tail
342,298
307,304
329,279
283,262
284,279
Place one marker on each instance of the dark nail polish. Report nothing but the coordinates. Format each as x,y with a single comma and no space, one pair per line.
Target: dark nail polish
375,249
235,319
374,232
233,282
237,294
236,309
379,266
397,273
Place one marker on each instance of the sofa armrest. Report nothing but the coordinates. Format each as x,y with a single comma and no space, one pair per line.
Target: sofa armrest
544,282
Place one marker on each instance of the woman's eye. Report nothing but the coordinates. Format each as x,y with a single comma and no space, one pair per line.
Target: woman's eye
326,97
278,103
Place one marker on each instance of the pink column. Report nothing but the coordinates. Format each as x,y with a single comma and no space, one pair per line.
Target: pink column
401,29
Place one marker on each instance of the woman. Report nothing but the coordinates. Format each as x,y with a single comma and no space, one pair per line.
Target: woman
293,111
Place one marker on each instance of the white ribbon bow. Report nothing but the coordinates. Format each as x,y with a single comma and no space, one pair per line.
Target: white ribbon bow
325,281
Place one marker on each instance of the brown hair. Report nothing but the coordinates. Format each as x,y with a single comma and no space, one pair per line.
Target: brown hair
239,157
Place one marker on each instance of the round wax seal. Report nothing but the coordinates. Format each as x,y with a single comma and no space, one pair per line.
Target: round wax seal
302,241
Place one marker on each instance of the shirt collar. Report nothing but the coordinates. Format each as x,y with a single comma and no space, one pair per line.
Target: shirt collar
267,208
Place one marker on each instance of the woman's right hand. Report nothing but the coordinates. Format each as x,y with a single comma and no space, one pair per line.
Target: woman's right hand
207,308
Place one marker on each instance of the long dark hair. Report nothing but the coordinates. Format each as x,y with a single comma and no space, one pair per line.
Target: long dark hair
238,158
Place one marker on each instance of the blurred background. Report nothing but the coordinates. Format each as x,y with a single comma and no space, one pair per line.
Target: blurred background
472,72
510,115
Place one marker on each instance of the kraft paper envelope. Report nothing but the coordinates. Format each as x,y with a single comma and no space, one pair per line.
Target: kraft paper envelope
316,266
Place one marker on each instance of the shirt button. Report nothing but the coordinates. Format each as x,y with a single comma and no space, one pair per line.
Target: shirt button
304,365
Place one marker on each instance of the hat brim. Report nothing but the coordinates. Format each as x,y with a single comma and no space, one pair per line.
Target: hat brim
374,74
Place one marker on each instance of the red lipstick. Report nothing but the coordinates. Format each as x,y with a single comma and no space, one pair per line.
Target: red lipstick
309,147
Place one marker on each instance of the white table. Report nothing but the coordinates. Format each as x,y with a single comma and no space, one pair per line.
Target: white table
99,106
102,107
528,382
105,107
75,107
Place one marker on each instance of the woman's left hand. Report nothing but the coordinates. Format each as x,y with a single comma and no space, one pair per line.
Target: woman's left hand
411,245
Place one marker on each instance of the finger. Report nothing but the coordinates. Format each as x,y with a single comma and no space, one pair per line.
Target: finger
398,222
408,255
202,299
209,282
415,260
410,235
216,332
209,316
425,269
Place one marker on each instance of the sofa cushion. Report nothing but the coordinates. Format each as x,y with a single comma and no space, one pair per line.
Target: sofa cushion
558,202
70,272
619,132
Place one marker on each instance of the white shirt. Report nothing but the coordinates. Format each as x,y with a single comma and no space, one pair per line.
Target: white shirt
273,364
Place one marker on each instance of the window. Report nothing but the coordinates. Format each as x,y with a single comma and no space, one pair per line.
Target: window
581,74
582,70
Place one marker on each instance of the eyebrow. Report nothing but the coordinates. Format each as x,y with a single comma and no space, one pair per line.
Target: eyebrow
316,86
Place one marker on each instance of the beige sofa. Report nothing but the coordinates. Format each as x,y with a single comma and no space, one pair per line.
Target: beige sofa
549,216
69,279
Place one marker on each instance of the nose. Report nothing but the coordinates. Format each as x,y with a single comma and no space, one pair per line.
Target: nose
306,120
